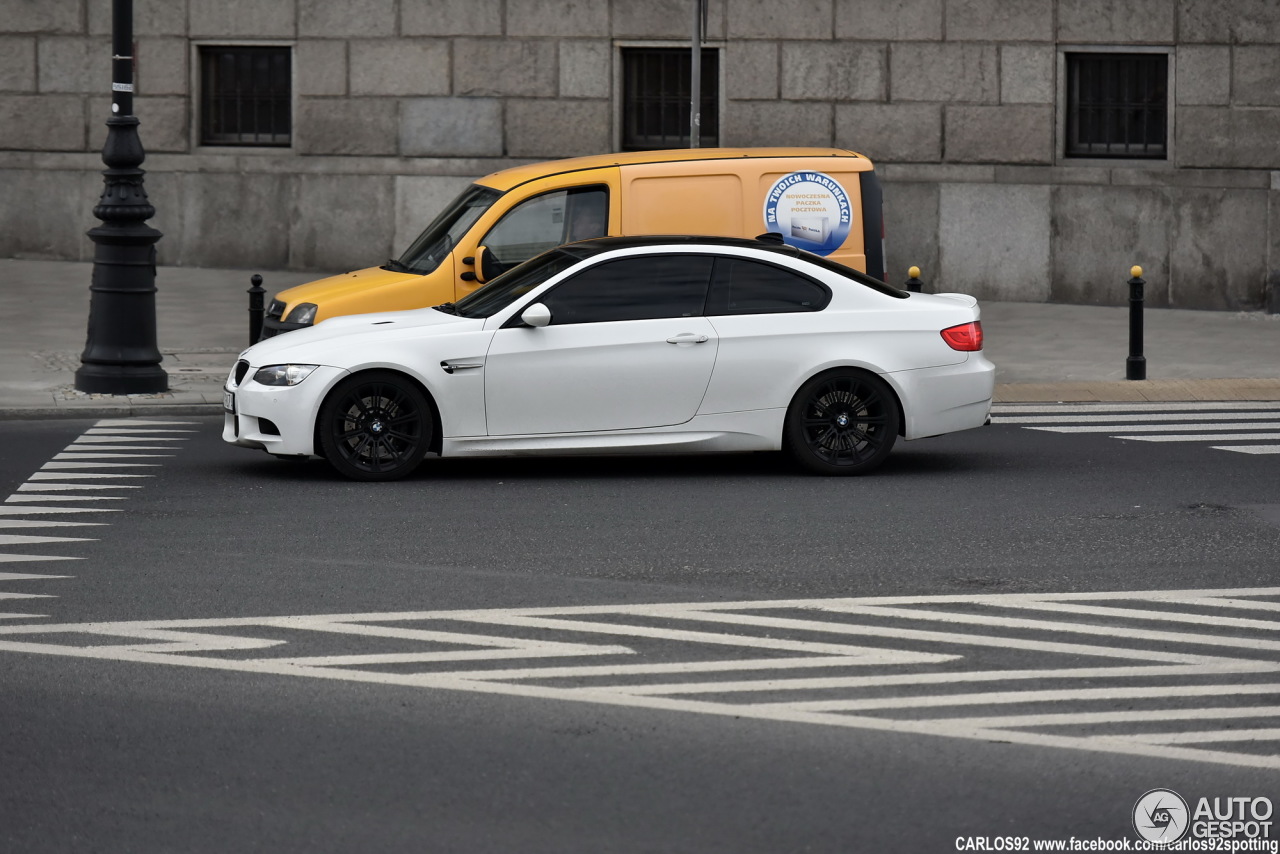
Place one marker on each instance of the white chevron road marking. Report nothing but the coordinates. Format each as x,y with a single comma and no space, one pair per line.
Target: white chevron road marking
1193,664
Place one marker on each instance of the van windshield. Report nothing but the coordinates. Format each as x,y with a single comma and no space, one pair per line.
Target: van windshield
434,244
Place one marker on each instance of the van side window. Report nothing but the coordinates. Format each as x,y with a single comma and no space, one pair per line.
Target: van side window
752,287
546,221
641,288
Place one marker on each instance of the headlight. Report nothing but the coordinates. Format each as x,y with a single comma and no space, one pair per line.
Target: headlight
283,374
303,312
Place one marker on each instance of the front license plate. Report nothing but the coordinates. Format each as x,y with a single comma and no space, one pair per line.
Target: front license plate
229,401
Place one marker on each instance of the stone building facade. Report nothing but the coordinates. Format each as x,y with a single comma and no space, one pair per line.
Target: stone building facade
966,107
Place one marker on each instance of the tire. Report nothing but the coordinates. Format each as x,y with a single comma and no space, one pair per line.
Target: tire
843,422
375,426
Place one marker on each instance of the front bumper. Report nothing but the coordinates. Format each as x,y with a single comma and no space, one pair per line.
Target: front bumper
278,419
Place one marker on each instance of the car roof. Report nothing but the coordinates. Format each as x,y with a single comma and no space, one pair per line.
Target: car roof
768,243
508,179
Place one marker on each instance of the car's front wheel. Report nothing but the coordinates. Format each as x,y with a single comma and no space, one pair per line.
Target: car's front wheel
842,422
375,426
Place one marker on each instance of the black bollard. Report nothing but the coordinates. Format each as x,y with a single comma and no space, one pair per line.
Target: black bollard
913,282
1135,367
257,308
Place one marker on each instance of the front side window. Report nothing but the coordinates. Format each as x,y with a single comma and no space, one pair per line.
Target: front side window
1117,105
546,221
656,82
640,288
246,95
742,286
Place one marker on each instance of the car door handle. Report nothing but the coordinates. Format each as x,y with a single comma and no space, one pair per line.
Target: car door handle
688,338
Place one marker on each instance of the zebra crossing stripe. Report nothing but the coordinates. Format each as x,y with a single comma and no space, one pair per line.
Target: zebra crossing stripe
1142,427
1122,416
22,540
79,475
75,475
1203,437
1248,425
1089,408
15,510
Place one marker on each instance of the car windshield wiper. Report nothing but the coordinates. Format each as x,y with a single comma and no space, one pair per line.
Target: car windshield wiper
446,307
396,266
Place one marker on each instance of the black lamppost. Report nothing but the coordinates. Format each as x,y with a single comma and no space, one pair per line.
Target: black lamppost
120,354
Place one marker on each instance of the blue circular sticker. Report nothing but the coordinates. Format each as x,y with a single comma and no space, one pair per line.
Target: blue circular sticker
810,210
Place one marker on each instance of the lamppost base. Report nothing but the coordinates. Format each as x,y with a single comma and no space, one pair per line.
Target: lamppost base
121,379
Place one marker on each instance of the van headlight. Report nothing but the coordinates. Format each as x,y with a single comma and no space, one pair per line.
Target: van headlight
304,313
283,374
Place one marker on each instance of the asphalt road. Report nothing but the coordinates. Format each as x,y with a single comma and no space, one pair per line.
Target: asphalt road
143,732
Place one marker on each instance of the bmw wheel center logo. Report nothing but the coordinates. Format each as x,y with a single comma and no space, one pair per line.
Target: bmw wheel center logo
810,210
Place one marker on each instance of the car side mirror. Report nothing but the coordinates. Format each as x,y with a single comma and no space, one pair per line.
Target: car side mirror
487,266
536,315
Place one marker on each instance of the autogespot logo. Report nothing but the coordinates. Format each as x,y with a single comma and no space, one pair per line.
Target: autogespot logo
1161,816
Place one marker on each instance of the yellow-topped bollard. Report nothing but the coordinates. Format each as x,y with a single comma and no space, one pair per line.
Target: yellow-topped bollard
1135,367
913,283
914,272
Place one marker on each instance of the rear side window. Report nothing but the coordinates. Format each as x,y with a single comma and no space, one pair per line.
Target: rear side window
742,286
638,288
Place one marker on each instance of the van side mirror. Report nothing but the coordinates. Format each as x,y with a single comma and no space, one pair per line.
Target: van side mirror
487,266
536,315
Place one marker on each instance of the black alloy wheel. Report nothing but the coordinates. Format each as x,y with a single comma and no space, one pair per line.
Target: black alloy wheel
841,423
375,426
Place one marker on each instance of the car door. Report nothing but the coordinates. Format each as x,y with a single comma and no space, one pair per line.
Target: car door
627,347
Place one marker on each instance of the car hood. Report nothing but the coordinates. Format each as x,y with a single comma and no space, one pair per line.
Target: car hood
353,331
343,284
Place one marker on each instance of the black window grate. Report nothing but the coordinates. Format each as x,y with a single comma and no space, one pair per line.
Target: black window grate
245,96
1117,105
655,86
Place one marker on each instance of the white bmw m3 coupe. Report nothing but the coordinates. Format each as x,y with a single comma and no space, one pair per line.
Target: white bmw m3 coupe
626,345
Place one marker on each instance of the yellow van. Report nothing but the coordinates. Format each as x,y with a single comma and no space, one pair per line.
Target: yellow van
823,200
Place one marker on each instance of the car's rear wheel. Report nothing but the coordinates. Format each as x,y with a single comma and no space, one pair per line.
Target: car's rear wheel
375,426
842,422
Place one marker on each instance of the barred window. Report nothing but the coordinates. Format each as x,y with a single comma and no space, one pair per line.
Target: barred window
655,98
245,96
1117,105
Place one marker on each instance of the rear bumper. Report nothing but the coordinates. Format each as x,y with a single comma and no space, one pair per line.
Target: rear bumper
946,399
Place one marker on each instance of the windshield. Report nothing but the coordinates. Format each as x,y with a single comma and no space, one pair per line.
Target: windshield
515,283
434,244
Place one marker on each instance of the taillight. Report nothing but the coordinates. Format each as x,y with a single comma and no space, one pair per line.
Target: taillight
966,336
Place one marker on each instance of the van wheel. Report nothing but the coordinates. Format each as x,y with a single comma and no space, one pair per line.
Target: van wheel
375,426
842,422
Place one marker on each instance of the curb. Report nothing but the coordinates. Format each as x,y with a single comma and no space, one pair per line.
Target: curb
19,413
